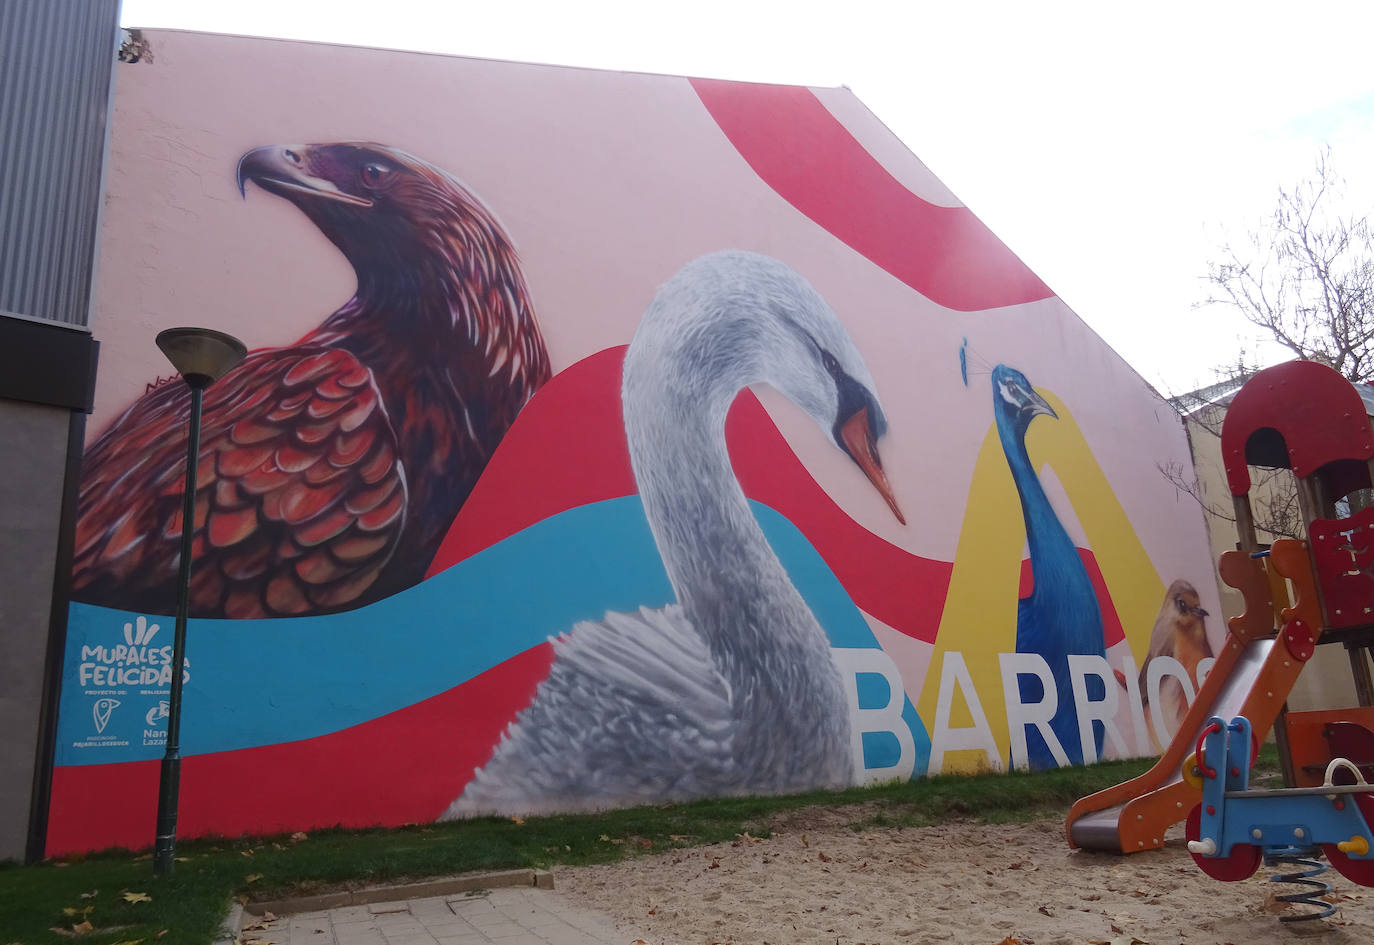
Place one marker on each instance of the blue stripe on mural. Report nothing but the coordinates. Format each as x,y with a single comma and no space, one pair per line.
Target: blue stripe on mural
259,682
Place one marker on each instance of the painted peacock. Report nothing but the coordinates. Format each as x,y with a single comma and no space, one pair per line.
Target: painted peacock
1061,616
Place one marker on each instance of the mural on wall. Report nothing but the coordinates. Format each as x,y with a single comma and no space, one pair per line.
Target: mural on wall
452,560
330,468
731,689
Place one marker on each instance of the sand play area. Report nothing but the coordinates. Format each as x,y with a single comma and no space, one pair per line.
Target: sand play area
818,882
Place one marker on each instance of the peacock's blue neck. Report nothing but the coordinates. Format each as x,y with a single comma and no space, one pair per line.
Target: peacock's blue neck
1061,583
1044,533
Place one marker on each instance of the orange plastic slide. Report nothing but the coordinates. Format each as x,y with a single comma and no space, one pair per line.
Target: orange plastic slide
1251,677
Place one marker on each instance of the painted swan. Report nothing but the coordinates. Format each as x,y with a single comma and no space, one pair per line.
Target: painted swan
731,690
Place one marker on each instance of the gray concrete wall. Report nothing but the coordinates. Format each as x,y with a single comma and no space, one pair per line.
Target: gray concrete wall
56,65
33,450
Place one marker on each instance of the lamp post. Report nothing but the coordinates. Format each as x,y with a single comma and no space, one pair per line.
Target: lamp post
201,356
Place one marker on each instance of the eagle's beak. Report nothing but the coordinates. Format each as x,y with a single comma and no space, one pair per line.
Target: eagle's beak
284,171
857,436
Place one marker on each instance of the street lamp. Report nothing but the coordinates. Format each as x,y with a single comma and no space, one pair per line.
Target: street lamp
201,356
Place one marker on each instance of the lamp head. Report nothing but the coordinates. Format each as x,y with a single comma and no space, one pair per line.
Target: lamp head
201,355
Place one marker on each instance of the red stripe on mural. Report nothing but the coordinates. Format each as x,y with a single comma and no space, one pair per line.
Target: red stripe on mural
404,767
802,152
567,448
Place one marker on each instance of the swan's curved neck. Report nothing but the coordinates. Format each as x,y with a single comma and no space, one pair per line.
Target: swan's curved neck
717,558
761,635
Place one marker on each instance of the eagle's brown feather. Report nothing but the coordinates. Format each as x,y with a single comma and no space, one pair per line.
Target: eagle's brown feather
329,470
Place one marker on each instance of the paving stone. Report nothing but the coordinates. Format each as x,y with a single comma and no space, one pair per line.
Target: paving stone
388,908
431,906
420,937
524,915
449,925
368,935
541,920
503,928
474,903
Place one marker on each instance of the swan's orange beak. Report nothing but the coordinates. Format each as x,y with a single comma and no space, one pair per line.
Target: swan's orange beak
858,440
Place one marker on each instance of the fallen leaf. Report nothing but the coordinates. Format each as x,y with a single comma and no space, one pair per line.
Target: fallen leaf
137,897
1045,910
805,842
1010,941
822,857
81,928
646,844
715,863
90,895
1273,905
517,820
252,877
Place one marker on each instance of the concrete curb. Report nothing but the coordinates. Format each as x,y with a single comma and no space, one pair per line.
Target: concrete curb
231,926
540,879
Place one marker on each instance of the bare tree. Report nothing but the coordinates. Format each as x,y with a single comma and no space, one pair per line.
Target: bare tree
1306,276
1273,494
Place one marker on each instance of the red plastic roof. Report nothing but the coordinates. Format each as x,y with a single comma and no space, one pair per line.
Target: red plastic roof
1316,411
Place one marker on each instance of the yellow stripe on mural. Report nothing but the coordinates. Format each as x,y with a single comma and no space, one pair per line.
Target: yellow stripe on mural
979,619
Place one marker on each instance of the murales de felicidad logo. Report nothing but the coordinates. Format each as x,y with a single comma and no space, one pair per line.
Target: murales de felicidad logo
135,662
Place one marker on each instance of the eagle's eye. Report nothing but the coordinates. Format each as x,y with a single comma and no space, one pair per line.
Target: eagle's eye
373,174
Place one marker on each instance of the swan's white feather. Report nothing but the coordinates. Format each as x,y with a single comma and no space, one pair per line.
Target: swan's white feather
659,708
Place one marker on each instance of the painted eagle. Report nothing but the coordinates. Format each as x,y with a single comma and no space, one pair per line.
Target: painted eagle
329,469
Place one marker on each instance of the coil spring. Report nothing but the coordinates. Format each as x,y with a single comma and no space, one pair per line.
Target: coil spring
1317,888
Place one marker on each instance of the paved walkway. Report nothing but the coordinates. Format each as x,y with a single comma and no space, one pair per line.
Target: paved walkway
514,916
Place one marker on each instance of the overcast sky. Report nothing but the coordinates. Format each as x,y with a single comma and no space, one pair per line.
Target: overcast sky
1111,146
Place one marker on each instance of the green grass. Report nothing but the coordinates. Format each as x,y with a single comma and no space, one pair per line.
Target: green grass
191,904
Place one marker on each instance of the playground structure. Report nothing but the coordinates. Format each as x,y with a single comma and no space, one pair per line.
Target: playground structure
1298,594
1235,828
